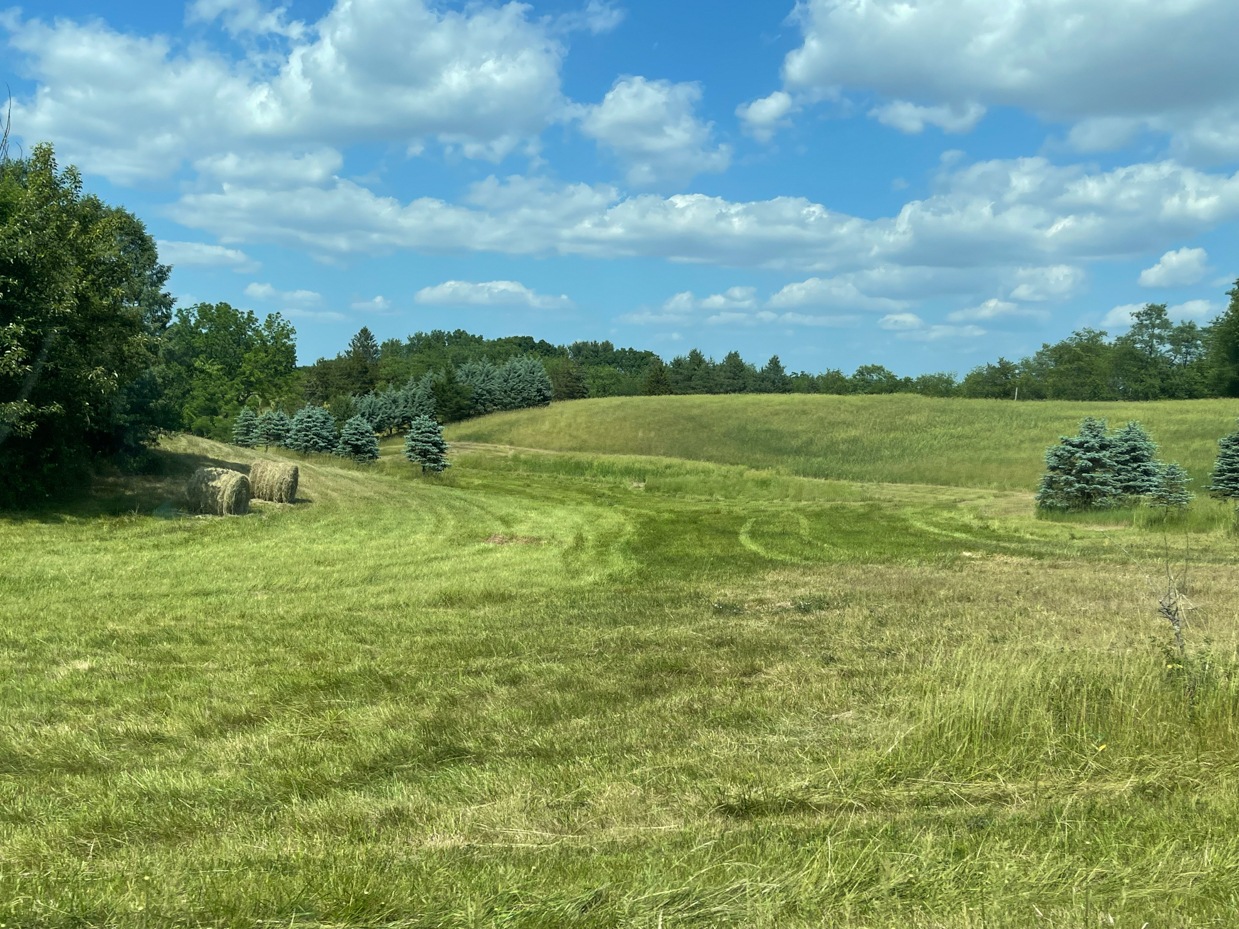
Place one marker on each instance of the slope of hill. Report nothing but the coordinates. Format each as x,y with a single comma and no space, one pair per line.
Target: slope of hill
898,438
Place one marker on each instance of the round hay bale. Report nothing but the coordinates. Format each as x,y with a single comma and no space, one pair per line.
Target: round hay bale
274,480
219,492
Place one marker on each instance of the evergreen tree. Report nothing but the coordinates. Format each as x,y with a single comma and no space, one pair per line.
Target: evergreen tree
1225,477
657,381
1079,471
524,383
1223,353
273,427
424,445
1171,491
452,399
567,380
1135,469
313,429
733,375
484,381
415,399
245,429
357,440
772,379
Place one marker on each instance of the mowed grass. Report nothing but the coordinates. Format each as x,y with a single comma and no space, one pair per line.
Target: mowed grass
898,438
561,689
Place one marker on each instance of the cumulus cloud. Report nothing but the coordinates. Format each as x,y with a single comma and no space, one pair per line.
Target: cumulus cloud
652,128
290,298
489,293
201,255
379,304
1176,269
912,119
817,291
996,309
1057,282
131,107
911,327
1108,67
763,117
988,222
595,18
245,16
1199,310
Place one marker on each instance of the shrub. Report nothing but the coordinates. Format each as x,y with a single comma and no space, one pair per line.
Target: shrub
357,440
313,429
424,445
245,429
1079,471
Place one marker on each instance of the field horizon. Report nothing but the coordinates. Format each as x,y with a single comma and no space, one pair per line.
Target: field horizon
605,687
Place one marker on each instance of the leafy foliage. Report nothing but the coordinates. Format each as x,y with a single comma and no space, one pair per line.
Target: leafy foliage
357,440
424,445
82,312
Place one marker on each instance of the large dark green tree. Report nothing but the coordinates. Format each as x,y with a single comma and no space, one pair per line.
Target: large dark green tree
1223,353
82,310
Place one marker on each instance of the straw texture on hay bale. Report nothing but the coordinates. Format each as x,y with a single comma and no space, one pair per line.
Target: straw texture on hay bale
219,492
274,480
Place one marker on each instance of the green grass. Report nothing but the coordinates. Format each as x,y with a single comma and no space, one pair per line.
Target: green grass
688,694
898,438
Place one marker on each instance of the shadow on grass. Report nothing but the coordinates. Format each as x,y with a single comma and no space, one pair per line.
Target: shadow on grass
116,491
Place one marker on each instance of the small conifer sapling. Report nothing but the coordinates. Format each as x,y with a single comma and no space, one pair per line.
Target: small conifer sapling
1225,477
245,429
1171,492
424,445
1079,471
1135,469
357,440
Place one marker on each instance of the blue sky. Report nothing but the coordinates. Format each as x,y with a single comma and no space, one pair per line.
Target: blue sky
925,184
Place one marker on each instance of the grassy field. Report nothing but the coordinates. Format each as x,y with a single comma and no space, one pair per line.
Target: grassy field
579,689
897,438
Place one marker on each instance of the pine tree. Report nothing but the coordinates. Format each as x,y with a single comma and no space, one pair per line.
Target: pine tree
273,427
733,375
1135,469
483,379
1225,477
657,381
1171,490
424,445
452,399
1079,471
245,429
313,429
357,440
414,400
773,379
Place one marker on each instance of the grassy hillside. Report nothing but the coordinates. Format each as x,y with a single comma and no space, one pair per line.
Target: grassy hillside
562,689
899,438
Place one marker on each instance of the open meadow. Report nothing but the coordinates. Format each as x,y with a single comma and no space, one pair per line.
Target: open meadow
759,661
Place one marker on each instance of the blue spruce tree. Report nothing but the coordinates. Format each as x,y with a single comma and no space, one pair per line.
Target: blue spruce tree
424,445
313,430
357,440
1171,491
245,429
1135,468
273,427
1225,477
1079,471
483,379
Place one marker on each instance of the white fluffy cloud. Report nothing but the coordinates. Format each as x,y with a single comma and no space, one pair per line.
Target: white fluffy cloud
735,306
835,292
911,327
653,129
1111,67
129,107
379,304
201,255
1016,223
489,293
995,309
763,117
1198,310
1176,269
291,298
912,119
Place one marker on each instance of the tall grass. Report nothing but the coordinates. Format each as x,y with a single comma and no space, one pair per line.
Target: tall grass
898,438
